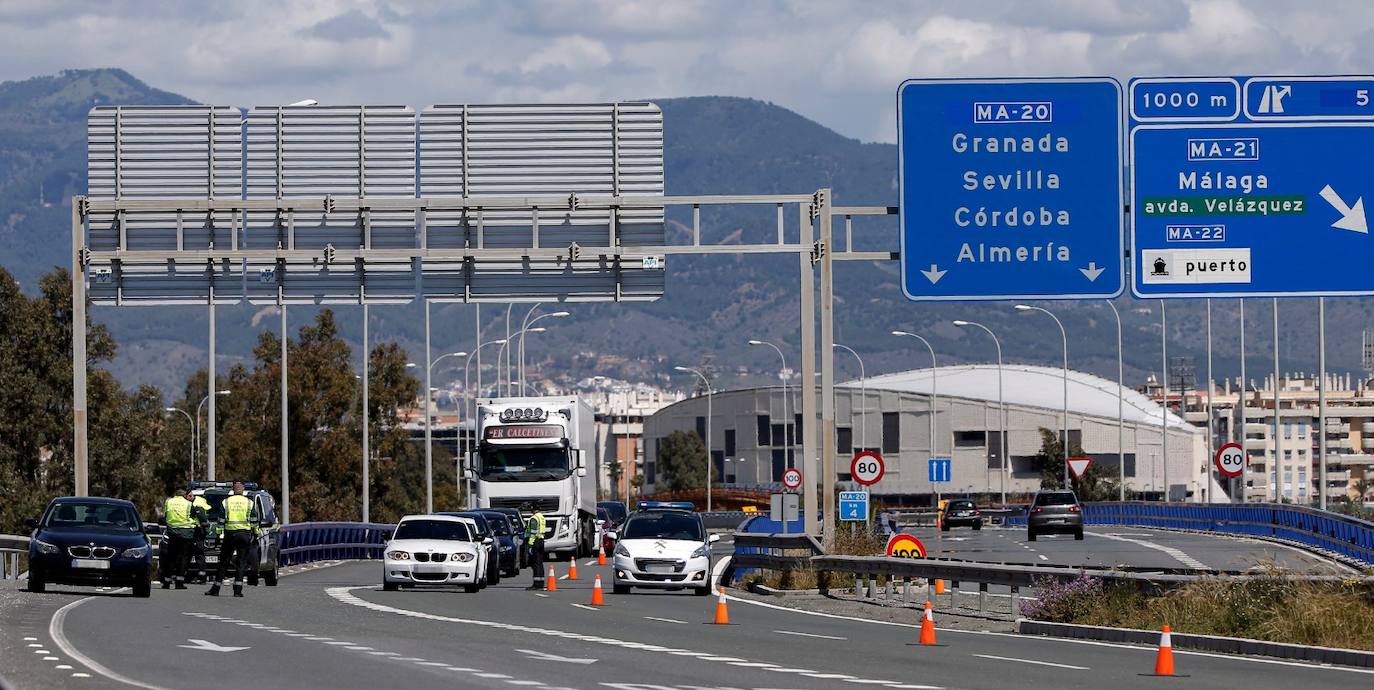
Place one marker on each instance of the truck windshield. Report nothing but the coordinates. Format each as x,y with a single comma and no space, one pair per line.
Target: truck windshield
523,464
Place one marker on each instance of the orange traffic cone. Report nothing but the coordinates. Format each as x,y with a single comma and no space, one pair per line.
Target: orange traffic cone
601,555
928,626
722,615
1164,660
551,582
597,598
939,586
572,567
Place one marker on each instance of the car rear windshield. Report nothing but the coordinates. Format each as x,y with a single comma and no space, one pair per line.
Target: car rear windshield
432,529
1055,499
663,526
102,515
961,505
615,510
498,524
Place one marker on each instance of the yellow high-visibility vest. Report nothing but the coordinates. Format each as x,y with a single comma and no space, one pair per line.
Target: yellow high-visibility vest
178,512
236,511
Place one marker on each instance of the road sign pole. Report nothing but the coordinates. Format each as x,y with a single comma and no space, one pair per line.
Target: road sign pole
1210,442
827,353
1278,412
1164,399
1321,399
807,384
79,440
1242,436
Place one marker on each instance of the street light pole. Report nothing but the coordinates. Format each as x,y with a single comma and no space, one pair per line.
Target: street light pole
192,425
710,461
1065,335
504,353
1001,406
863,394
212,405
367,459
525,327
472,416
786,421
285,436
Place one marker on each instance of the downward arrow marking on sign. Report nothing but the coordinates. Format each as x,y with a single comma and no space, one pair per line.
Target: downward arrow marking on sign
934,274
1092,271
1352,217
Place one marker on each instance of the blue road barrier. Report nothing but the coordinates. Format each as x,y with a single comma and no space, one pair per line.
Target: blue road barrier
306,542
1342,535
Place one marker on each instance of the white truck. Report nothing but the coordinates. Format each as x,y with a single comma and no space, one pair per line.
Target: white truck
540,451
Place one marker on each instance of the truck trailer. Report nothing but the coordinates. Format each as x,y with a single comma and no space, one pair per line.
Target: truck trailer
540,451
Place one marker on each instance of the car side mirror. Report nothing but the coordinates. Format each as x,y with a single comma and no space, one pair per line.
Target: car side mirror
612,536
266,522
31,523
487,540
713,539
581,471
152,528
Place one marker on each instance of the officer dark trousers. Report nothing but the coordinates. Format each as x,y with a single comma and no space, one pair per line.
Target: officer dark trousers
537,562
179,556
170,568
234,548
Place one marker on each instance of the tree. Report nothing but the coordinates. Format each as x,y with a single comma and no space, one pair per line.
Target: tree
682,460
1097,483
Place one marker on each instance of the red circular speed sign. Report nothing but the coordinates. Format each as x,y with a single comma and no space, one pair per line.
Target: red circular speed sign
1230,460
866,468
792,478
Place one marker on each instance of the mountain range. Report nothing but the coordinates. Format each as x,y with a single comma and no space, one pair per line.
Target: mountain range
713,304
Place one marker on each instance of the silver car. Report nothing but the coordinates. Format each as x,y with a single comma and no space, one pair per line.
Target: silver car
1054,512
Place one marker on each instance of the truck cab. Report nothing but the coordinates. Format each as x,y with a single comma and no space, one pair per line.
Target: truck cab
537,451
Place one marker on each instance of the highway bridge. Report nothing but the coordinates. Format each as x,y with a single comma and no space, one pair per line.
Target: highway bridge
330,625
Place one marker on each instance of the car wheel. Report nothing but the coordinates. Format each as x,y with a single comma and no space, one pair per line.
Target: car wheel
620,589
270,577
977,526
702,591
495,575
1030,535
944,527
389,587
253,579
1078,535
36,584
143,588
471,589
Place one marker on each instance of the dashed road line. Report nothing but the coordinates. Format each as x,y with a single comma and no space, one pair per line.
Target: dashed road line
805,634
1176,554
345,595
584,606
665,620
1031,661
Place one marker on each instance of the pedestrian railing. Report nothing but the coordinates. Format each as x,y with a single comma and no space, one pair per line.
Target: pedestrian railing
1342,536
12,546
306,542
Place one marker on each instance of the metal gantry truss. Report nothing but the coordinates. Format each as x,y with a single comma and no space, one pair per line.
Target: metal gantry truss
227,257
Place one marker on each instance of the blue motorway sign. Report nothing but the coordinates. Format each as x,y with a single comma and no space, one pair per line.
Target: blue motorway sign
1251,186
854,505
941,470
1010,188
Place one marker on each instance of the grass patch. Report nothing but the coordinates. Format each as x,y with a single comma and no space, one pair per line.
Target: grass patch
1272,607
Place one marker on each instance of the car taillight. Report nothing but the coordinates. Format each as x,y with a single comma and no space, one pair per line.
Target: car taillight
1073,509
1036,510
976,513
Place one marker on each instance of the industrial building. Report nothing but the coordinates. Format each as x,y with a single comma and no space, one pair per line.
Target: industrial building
751,443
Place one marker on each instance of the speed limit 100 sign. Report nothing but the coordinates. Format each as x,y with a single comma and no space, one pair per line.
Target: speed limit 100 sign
1230,460
866,468
792,478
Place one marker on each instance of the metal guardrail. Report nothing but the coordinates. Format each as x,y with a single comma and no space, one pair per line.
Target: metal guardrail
11,547
1335,534
725,519
774,551
306,542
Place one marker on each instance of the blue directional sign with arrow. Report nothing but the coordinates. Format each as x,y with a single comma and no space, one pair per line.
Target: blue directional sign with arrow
854,506
1251,186
1010,188
940,469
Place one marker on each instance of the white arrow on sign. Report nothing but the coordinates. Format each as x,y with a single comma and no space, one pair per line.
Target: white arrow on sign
1352,217
1092,271
545,656
207,646
934,274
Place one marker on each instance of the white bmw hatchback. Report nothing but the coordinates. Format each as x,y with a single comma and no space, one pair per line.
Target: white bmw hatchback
663,549
431,550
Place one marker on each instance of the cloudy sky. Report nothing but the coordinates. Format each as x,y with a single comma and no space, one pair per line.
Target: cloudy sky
836,61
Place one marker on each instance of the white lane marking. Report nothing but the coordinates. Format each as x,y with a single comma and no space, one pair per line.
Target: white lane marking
869,681
345,595
1176,554
717,570
527,683
805,634
59,638
30,639
590,564
63,667
543,596
1042,557
358,648
665,620
50,658
41,651
1031,661
1061,640
431,663
584,606
492,675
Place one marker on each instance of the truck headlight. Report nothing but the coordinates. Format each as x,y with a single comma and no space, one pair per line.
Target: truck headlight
398,555
45,547
620,550
702,551
136,552
462,557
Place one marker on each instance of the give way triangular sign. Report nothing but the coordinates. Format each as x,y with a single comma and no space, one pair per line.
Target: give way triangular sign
1078,466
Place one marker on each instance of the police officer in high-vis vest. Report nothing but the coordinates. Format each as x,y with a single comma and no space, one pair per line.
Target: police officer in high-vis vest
183,516
239,523
534,541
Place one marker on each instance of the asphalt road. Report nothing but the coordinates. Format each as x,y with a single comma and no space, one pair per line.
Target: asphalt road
1112,546
333,627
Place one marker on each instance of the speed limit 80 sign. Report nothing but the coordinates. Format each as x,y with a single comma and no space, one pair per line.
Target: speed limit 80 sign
866,468
1230,460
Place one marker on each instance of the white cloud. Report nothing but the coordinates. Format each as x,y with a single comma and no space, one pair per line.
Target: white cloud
838,62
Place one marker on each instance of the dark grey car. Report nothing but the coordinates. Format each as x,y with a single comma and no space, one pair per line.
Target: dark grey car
1054,512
